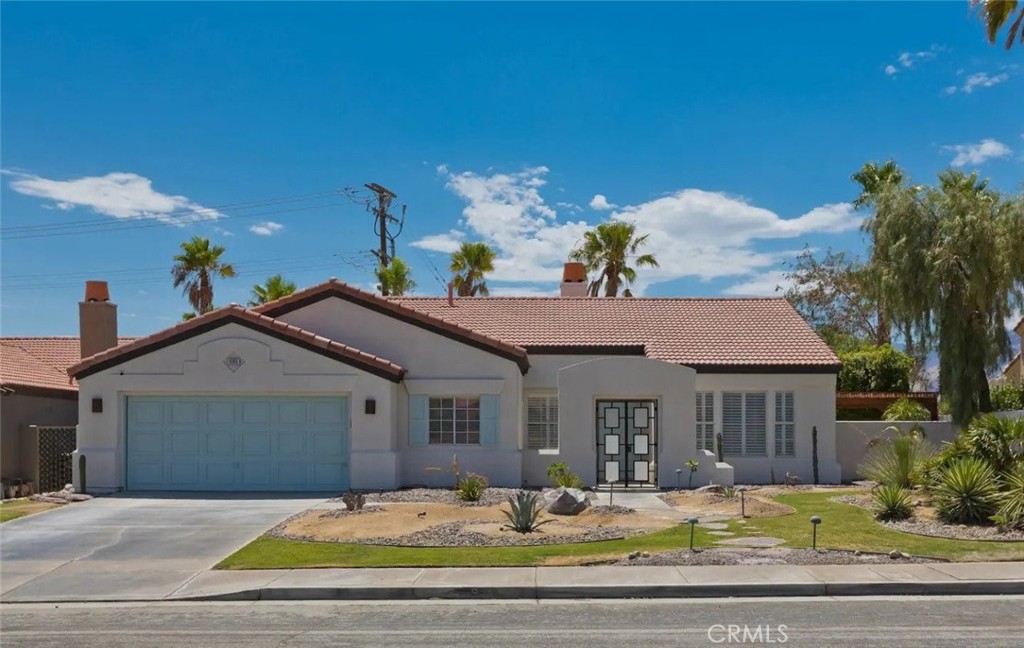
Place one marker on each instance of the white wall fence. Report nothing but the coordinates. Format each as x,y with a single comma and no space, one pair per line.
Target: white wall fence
852,438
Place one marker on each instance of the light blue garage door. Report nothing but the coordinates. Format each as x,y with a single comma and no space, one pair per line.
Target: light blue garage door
250,443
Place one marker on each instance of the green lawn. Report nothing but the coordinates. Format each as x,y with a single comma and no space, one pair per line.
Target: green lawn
843,527
14,509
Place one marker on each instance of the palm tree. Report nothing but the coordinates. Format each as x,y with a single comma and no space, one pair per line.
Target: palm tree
273,288
607,249
195,268
996,13
395,279
470,263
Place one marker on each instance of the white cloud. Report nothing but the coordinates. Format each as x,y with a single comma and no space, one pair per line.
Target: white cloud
573,207
121,195
978,80
986,149
907,60
693,233
601,203
768,284
890,70
266,229
523,291
447,242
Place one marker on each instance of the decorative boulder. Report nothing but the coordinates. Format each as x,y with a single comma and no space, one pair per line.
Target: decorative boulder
565,501
791,480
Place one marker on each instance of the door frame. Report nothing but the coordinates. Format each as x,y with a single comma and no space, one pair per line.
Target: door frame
627,448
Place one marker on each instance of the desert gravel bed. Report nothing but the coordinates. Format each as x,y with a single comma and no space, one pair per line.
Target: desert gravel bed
955,531
773,556
453,534
863,501
491,496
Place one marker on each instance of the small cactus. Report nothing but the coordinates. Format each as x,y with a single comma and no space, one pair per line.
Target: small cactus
354,501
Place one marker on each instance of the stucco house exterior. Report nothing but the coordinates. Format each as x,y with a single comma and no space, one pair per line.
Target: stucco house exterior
335,388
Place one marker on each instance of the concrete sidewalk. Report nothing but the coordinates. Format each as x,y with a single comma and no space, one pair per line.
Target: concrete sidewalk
593,582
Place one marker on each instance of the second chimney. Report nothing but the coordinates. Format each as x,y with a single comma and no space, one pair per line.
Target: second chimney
574,280
97,320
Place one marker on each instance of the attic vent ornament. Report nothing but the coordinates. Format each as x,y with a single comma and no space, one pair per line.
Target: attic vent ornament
234,362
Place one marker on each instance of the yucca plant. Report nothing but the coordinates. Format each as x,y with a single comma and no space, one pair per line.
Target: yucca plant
525,514
471,487
896,460
966,492
891,502
1011,501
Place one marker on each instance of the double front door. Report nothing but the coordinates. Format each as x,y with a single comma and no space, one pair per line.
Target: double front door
627,442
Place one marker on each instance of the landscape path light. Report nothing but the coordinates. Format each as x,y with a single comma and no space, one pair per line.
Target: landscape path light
693,523
679,476
815,521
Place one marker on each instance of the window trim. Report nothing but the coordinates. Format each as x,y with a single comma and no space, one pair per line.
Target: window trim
547,395
454,442
745,432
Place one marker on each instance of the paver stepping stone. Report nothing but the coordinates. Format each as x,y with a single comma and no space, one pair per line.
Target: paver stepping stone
721,533
713,525
763,541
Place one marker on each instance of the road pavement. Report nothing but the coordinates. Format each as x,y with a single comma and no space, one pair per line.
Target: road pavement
893,622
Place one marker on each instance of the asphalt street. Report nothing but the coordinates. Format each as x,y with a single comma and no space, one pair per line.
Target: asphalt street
934,622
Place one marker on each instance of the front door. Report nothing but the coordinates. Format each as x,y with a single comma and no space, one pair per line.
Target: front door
627,442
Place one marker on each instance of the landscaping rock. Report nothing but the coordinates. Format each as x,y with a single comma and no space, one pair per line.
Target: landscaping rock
565,501
645,554
791,480
894,554
633,555
856,553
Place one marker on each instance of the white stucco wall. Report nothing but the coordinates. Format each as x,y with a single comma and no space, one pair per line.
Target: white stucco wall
195,367
815,403
436,365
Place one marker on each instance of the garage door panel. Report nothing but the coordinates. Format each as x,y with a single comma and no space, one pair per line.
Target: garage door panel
236,444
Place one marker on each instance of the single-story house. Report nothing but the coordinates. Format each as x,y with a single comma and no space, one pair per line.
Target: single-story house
335,388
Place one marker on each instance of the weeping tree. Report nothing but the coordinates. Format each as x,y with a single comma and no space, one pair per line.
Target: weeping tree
947,260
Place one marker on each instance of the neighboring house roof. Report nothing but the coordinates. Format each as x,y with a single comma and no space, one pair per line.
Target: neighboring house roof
393,308
238,315
40,363
709,334
1014,366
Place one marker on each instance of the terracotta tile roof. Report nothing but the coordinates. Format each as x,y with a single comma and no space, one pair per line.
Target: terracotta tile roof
40,362
395,308
245,317
707,333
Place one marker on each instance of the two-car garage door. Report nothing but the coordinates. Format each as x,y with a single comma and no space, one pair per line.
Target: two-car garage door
251,443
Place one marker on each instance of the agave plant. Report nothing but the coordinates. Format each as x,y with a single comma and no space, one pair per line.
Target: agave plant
967,492
525,514
891,502
897,460
1011,501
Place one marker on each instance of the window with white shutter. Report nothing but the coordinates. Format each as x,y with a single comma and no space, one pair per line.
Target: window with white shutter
542,422
785,424
706,421
744,424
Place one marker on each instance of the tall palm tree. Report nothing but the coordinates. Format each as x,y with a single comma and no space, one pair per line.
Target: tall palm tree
470,263
273,288
996,13
395,279
195,269
607,250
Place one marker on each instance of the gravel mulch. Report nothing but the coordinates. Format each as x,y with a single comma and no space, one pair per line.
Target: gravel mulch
339,513
491,496
612,509
863,501
773,556
955,531
454,534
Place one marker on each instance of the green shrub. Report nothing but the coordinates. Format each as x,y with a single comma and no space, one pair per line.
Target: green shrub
1011,501
471,487
524,515
906,410
1008,397
966,493
996,440
881,368
561,476
891,503
897,460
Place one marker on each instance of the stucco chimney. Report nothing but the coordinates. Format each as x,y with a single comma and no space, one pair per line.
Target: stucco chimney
574,280
97,320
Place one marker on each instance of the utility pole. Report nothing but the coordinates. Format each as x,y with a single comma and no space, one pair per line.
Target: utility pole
382,219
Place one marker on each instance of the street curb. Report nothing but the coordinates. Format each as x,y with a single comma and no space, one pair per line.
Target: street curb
754,590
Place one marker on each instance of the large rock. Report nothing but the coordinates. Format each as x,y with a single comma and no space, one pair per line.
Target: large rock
565,501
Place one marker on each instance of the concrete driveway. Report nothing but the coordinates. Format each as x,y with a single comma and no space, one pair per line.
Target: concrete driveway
131,545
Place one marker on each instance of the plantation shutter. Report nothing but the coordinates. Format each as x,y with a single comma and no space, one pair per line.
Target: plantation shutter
418,420
706,421
489,420
785,424
755,417
732,423
542,422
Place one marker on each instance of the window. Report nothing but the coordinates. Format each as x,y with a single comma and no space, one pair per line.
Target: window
454,420
744,426
706,421
542,422
785,425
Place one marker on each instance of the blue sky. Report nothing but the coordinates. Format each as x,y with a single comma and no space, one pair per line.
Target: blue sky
727,131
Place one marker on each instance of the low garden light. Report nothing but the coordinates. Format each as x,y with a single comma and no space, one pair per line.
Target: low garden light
679,477
693,523
743,501
815,521
611,492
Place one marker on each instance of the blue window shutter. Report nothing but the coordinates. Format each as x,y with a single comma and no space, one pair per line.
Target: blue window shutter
489,420
418,420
